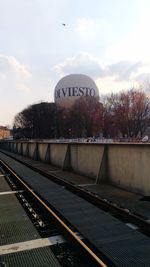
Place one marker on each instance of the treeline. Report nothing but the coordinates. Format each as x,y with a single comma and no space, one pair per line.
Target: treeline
126,114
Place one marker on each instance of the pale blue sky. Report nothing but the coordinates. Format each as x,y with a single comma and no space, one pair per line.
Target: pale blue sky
105,39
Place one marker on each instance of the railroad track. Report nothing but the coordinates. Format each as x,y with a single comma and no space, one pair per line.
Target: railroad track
73,236
121,213
97,257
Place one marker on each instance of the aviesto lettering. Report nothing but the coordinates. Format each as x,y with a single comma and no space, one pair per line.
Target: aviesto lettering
74,91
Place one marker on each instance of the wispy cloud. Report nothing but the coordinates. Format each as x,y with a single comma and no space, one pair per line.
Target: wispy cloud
13,74
86,63
109,77
81,63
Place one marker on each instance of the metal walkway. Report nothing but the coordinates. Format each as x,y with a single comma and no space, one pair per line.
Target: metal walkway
20,243
122,245
129,200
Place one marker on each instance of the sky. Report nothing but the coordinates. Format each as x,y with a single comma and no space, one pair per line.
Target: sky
108,40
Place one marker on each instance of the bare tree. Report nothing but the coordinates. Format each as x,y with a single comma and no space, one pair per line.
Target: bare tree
36,121
129,112
86,116
125,114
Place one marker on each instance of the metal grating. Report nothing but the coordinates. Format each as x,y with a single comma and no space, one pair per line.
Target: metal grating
4,187
15,225
122,245
41,257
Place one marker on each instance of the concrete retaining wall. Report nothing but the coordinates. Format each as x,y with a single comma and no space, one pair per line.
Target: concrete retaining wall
43,152
85,159
25,149
58,154
125,165
32,150
129,167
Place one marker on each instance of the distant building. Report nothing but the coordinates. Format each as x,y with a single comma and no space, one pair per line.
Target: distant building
4,132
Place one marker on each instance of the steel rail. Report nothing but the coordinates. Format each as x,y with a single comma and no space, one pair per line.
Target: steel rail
87,249
123,212
94,198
